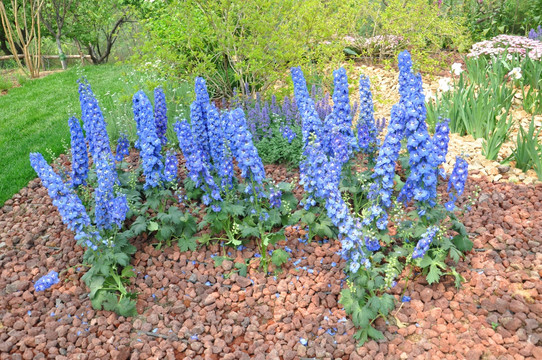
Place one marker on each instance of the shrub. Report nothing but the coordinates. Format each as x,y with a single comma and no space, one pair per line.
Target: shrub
236,42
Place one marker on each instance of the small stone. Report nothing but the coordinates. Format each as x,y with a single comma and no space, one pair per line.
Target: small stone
193,278
503,169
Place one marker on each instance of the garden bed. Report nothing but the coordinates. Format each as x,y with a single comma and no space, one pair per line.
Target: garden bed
189,309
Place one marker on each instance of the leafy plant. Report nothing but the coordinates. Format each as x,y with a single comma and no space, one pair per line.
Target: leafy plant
527,145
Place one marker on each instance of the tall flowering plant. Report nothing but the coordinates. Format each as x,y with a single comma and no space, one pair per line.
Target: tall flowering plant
368,209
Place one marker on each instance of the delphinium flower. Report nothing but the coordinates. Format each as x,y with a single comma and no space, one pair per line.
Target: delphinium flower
323,107
170,167
311,123
198,118
423,244
160,114
79,153
149,142
123,148
457,181
93,121
243,148
275,198
367,132
382,188
372,244
69,205
196,165
288,133
380,125
340,143
222,160
46,281
341,104
89,239
536,34
421,183
439,143
109,209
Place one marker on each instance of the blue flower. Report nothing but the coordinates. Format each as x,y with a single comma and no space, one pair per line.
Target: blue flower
45,282
198,118
149,142
275,196
109,209
123,148
69,206
405,298
220,154
367,131
79,153
311,121
160,114
170,167
440,141
457,181
372,244
423,244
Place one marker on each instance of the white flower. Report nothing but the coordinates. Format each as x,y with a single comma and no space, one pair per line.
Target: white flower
444,84
515,73
429,95
456,68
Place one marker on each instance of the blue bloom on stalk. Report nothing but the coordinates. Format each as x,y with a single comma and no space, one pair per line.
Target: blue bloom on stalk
384,172
79,153
109,209
222,161
123,148
243,148
372,244
93,121
422,181
405,298
198,118
457,181
423,244
367,131
197,167
148,140
170,168
160,114
89,239
440,142
323,107
341,103
288,134
69,205
311,122
45,282
275,198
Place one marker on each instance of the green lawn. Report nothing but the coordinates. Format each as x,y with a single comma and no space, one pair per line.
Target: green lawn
34,117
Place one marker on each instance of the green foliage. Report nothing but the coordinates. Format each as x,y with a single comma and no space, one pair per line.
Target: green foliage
276,149
526,149
422,26
5,84
233,42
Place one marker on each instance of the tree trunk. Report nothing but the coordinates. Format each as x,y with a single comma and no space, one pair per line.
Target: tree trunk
61,55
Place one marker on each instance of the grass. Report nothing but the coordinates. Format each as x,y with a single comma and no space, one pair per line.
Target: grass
34,117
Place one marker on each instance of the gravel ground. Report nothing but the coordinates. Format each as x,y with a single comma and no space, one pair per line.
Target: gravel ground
189,309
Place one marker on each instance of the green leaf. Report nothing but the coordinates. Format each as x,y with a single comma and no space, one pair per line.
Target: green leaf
166,232
361,336
127,272
374,333
139,225
308,218
126,307
122,259
186,244
247,231
462,243
434,274
279,257
152,226
95,285
110,301
242,269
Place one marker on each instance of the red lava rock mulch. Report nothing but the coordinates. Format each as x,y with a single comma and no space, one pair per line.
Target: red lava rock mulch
188,310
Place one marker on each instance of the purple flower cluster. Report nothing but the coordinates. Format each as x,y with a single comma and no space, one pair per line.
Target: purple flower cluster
79,153
372,244
170,167
149,142
198,118
109,209
69,205
123,148
93,121
422,180
382,188
457,181
196,165
243,148
367,131
160,114
423,244
46,281
536,34
508,44
311,123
